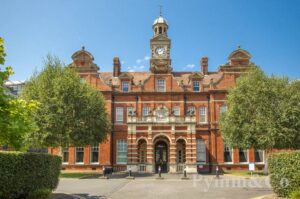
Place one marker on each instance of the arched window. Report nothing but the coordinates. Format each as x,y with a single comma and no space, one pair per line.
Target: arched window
155,30
160,30
164,29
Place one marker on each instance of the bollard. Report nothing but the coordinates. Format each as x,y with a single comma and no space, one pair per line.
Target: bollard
159,174
184,174
129,174
217,172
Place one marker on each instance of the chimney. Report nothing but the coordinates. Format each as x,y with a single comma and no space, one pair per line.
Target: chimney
204,65
117,67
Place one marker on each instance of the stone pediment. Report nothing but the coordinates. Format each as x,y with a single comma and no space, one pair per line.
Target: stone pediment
196,75
239,54
126,76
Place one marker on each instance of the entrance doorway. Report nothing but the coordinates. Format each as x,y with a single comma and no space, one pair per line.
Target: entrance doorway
161,156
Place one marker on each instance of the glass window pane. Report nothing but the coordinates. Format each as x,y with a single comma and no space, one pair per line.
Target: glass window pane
121,152
119,114
227,153
259,155
200,151
243,155
202,114
196,86
125,86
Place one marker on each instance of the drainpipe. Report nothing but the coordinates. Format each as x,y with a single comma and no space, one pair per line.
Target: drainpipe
184,107
113,130
209,132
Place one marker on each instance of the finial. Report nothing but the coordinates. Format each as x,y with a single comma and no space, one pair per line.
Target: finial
82,47
239,46
160,10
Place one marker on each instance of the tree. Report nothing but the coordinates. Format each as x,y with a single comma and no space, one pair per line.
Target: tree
263,112
16,121
71,111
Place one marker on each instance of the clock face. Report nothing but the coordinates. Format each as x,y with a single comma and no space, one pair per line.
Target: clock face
160,51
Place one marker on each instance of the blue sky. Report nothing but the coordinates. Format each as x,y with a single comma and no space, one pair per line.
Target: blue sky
268,29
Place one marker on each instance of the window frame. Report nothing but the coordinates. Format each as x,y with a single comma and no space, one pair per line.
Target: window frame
198,82
76,155
247,153
65,150
128,88
199,151
92,148
201,115
144,109
119,113
263,155
177,108
158,86
230,151
121,148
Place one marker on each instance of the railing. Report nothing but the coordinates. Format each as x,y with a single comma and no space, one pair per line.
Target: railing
155,119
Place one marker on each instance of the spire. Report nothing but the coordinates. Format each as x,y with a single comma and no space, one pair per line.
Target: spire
160,10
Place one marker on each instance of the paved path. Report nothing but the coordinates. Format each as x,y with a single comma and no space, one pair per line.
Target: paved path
172,187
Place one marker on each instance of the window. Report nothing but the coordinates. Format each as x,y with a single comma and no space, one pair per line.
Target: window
243,155
94,154
79,154
119,115
161,85
125,86
259,155
196,86
192,110
176,110
130,111
121,152
160,30
201,151
146,111
65,153
223,109
202,114
227,153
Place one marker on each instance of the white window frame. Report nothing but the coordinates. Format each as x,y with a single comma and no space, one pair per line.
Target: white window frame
123,86
176,110
202,114
121,150
200,152
65,150
263,155
130,109
94,149
76,151
196,86
192,107
119,114
161,85
231,150
146,111
247,152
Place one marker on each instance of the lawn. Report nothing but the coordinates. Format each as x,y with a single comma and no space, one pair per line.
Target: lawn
79,175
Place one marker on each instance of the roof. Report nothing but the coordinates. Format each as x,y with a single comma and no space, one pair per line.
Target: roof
14,83
160,19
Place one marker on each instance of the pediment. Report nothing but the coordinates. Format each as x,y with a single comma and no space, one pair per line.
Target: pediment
196,76
126,76
239,54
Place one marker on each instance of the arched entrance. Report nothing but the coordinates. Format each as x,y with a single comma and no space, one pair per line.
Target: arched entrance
161,154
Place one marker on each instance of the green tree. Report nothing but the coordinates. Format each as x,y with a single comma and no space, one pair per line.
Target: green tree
263,112
71,111
16,121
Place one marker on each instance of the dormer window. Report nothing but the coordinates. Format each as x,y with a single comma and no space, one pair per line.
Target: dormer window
161,85
196,86
125,86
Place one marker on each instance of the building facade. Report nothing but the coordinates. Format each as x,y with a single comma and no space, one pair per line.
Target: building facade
162,118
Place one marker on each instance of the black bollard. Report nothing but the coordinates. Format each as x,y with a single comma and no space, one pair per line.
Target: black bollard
184,174
217,172
129,174
159,172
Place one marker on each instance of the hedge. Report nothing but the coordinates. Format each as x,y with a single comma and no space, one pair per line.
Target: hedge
285,172
24,174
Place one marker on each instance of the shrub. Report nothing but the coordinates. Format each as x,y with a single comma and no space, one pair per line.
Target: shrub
40,194
23,175
295,194
285,173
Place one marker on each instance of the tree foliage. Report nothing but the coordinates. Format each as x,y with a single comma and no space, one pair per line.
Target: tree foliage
16,121
71,112
263,112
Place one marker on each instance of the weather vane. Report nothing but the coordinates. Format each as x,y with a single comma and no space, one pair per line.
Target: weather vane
160,10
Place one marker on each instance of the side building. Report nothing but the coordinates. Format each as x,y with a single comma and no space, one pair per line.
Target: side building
162,117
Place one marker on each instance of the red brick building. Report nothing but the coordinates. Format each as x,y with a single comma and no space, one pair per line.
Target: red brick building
162,117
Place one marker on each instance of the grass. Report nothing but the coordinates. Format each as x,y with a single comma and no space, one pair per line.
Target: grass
244,173
79,175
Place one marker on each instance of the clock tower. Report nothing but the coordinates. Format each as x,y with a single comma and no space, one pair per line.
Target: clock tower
160,44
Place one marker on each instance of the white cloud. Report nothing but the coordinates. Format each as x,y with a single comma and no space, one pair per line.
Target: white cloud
138,61
123,62
146,58
189,66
